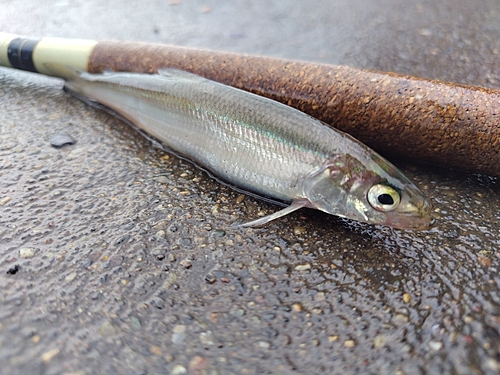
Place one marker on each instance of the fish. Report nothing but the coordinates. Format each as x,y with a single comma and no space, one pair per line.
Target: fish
258,145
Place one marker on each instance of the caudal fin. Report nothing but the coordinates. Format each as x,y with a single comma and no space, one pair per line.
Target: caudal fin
62,71
74,83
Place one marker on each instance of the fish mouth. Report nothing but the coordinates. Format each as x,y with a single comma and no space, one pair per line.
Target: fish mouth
411,220
413,212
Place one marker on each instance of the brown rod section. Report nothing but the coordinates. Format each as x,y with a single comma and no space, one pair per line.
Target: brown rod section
442,123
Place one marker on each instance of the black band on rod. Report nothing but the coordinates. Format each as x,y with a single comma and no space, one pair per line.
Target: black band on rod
20,53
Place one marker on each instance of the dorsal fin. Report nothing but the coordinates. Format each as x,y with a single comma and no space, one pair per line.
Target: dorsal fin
177,73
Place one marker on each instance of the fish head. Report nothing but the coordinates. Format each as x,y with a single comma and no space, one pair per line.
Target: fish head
368,189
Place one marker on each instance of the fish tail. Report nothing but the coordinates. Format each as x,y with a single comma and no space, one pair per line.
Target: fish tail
62,71
72,77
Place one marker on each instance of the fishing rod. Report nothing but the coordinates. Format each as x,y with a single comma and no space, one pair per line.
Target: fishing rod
438,122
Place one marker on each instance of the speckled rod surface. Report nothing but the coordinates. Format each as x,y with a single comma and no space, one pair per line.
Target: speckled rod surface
442,123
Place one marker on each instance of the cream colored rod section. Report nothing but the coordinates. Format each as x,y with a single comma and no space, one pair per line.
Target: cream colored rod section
32,54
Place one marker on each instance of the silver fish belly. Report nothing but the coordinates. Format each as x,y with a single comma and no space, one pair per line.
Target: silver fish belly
259,145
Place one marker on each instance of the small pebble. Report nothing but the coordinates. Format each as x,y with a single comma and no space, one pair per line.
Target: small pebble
264,344
435,345
198,364
107,329
159,253
162,179
179,334
333,338
484,261
350,343
186,263
156,350
219,233
70,277
5,200
214,317
299,230
27,252
48,356
179,370
238,312
297,307
379,341
210,279
303,267
158,302
401,319
406,298
207,338
61,139
406,348
115,260
425,32
135,323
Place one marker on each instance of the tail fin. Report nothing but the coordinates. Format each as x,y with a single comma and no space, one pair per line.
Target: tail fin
63,71
73,79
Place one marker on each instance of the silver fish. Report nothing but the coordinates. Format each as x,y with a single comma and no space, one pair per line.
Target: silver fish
259,145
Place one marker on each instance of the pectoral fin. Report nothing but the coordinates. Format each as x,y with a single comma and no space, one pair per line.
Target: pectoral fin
294,206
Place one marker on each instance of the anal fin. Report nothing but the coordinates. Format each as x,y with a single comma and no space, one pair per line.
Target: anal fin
294,206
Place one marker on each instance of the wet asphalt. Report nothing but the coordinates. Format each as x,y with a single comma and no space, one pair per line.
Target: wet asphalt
116,257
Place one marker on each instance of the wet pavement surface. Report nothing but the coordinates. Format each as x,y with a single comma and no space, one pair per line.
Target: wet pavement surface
116,257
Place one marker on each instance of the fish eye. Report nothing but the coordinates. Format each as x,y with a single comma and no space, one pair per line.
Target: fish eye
383,197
